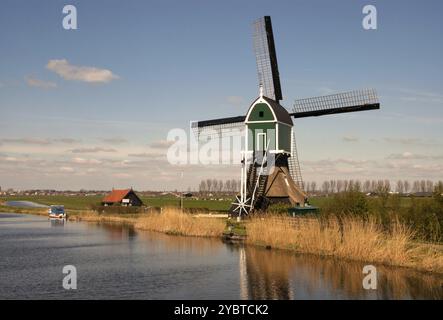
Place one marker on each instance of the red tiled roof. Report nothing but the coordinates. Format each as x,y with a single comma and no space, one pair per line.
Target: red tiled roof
116,195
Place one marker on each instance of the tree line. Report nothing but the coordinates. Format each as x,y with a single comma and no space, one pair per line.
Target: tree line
376,186
332,186
218,186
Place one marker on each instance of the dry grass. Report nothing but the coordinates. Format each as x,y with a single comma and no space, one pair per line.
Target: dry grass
173,221
170,221
92,216
356,239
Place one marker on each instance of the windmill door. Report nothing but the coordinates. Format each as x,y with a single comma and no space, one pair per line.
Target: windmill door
261,142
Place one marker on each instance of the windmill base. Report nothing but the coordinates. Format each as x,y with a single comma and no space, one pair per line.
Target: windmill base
276,187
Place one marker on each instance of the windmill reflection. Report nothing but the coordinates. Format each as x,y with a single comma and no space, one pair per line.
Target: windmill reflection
273,274
264,275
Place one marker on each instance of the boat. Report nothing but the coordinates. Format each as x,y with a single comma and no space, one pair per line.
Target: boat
57,211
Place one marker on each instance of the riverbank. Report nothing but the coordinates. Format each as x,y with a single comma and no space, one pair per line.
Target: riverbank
351,238
354,239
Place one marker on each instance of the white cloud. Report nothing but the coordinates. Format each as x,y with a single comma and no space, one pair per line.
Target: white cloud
66,169
92,150
421,96
350,139
121,175
326,90
161,144
115,140
409,155
66,140
38,141
404,155
34,82
407,141
149,155
235,100
79,160
80,73
33,141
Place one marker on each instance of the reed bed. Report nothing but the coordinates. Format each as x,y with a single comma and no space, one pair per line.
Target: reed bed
349,237
173,221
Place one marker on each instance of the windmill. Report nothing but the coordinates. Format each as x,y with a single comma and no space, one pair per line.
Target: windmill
270,170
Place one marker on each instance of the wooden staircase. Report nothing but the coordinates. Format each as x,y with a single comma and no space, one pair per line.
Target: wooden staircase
257,185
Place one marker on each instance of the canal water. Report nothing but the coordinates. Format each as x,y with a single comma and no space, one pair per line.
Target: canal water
116,262
25,204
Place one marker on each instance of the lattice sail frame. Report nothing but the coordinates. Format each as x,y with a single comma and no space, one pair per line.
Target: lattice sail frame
294,164
206,129
266,58
358,100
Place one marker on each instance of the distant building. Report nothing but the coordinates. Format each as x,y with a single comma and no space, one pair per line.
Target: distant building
422,194
122,197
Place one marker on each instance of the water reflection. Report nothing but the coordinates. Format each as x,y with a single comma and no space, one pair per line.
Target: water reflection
56,222
272,274
116,231
268,274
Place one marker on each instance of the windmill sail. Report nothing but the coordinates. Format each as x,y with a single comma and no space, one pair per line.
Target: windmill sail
293,163
219,127
266,57
359,100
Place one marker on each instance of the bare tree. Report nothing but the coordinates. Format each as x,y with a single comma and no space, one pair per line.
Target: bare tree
209,185
333,185
429,186
228,185
367,186
416,186
202,187
423,185
325,187
345,185
313,186
406,186
387,185
307,187
235,185
373,186
358,185
381,187
400,187
339,186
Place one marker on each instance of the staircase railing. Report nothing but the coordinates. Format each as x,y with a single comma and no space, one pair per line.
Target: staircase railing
260,174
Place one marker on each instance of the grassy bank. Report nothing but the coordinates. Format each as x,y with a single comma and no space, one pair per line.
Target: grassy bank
172,221
86,202
349,238
36,211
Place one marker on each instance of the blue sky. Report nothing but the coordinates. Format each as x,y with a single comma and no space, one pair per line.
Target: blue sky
175,61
